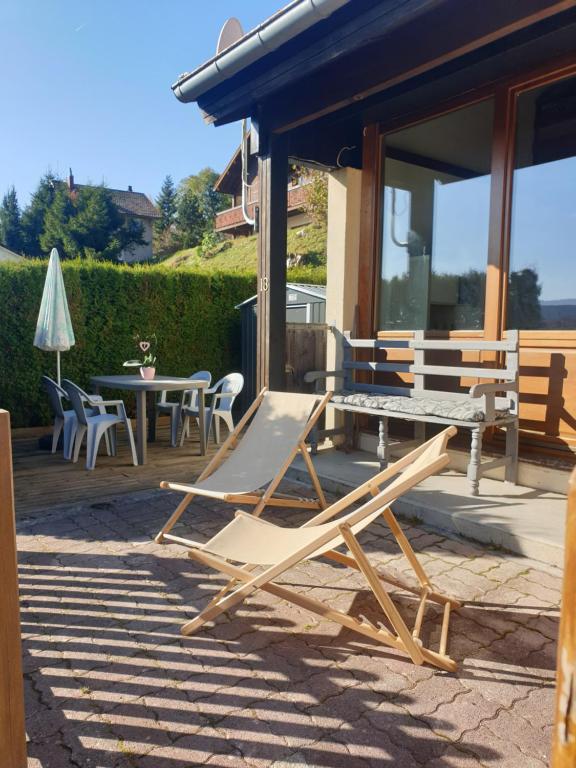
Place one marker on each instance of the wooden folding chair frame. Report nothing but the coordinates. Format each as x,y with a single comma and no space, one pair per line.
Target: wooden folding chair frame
268,497
243,582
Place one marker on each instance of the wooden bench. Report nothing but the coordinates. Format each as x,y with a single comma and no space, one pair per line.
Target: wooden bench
492,403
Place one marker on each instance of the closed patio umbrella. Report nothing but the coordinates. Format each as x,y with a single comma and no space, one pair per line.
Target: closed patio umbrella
54,328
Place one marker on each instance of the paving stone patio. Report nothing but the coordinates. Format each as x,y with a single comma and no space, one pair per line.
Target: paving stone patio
110,683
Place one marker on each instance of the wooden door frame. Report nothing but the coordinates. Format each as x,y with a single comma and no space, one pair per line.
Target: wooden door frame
505,94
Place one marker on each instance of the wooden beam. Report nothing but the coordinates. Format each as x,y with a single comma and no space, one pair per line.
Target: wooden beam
271,323
564,734
12,730
369,230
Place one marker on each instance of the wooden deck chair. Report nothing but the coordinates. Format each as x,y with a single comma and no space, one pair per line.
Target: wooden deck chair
252,472
255,542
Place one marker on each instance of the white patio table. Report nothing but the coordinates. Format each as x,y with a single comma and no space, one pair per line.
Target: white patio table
142,387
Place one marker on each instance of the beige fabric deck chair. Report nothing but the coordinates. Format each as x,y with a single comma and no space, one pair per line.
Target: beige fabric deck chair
251,473
254,542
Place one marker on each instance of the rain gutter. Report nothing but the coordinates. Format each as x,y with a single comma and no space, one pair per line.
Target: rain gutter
289,22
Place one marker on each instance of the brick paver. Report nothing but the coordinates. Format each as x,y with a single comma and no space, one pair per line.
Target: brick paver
110,683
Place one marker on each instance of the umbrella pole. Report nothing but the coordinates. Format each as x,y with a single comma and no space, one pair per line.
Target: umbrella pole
58,368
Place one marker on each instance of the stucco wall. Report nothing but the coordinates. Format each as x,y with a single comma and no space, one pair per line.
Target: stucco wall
141,252
343,238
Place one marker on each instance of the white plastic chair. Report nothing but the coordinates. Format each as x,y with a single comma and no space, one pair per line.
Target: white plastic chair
98,425
189,398
65,420
224,392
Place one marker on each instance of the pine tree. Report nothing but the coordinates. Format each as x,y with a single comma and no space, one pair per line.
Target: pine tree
87,224
10,225
33,216
166,202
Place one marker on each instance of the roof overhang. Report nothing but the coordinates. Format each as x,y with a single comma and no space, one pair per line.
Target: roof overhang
283,26
362,50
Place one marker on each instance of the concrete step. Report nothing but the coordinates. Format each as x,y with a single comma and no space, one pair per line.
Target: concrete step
526,521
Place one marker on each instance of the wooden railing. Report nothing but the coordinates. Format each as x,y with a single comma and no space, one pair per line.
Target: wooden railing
12,730
564,738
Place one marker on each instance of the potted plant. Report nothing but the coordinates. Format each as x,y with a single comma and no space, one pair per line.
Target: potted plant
147,365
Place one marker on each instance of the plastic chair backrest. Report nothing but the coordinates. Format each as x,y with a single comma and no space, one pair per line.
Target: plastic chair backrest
202,376
77,397
55,395
231,384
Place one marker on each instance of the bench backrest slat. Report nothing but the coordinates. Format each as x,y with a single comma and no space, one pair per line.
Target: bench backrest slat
464,371
381,389
382,367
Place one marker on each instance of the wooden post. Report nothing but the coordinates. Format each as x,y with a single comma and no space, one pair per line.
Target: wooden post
12,729
271,341
564,735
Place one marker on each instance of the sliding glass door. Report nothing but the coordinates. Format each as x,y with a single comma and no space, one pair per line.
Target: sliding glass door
435,222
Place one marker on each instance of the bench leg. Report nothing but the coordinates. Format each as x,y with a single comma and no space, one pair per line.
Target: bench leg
314,441
475,460
382,451
419,432
511,475
348,430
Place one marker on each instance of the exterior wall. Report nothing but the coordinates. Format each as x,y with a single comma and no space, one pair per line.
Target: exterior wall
343,238
141,252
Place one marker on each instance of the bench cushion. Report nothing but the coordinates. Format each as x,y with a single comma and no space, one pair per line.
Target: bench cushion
459,410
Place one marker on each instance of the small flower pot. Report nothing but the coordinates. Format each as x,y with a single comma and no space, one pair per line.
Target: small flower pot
147,372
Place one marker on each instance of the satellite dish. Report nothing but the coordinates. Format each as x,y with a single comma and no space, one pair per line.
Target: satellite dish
230,33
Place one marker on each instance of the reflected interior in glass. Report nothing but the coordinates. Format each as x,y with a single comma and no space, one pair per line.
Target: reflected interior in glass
542,272
436,199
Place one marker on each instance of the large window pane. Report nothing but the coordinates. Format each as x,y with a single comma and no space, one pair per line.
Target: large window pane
542,277
436,198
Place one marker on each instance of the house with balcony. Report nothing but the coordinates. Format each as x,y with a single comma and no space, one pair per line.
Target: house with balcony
232,221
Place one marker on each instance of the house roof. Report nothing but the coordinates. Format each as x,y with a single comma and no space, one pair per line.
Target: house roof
128,202
134,203
317,291
231,176
7,255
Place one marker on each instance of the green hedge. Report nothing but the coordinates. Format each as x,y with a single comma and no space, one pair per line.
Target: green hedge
191,313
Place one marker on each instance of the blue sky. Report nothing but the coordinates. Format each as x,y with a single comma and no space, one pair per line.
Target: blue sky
86,84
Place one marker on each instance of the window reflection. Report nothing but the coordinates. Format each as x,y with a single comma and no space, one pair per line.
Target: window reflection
542,275
435,222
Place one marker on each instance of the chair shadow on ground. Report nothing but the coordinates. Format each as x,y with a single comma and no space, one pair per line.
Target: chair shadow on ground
110,682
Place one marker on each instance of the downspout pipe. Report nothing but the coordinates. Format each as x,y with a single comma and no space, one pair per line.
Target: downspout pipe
244,160
290,21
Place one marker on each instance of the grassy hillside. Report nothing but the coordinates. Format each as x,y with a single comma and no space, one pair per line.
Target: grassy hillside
239,255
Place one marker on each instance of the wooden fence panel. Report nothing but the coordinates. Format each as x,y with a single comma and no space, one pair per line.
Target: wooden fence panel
305,351
12,729
564,739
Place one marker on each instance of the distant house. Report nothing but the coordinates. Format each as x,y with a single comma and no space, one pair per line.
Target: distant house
7,255
231,221
135,206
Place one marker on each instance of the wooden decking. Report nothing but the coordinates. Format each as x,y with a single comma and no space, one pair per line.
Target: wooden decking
43,480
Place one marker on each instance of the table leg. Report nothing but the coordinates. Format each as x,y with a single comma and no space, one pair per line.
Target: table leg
141,426
201,421
152,417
